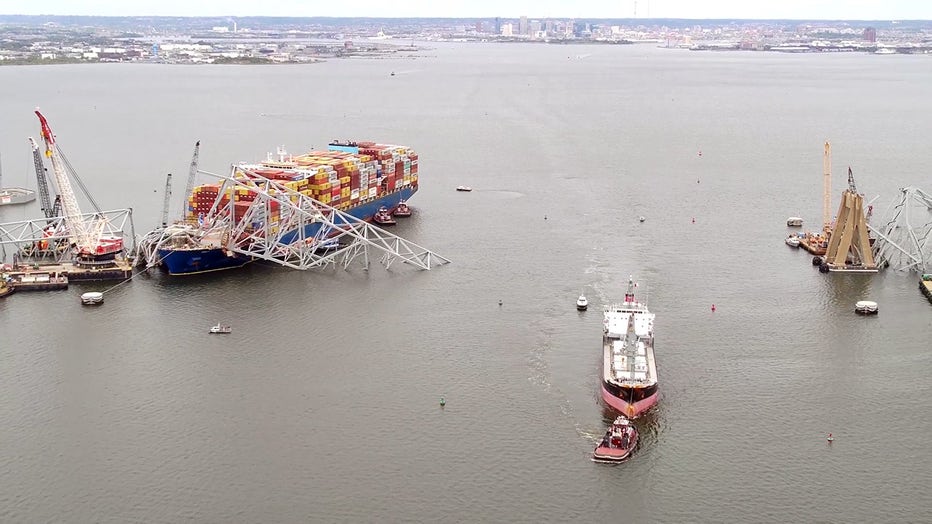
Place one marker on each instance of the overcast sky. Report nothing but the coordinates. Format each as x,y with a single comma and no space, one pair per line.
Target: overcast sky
799,9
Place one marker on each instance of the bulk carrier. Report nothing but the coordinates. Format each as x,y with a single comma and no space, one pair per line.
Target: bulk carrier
358,178
629,372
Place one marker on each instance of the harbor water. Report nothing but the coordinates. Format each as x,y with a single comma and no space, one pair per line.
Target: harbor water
323,403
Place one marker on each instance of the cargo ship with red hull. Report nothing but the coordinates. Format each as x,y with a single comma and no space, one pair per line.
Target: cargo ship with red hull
358,178
629,371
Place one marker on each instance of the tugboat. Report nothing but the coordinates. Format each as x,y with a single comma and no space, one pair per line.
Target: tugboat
582,303
383,218
618,443
220,328
402,210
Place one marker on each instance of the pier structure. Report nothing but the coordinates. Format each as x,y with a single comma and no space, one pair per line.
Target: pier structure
849,247
305,234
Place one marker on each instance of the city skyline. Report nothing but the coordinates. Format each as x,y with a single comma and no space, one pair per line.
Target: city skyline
686,9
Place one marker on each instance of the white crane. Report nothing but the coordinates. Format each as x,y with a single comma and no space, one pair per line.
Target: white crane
86,236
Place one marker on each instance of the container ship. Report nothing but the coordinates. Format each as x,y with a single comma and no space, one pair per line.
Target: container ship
358,178
629,372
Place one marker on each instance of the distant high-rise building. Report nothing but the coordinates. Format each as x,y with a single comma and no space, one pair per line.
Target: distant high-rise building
548,26
507,30
870,34
579,28
479,26
522,26
535,28
498,25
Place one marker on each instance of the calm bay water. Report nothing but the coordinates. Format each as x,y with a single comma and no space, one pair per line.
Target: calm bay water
323,403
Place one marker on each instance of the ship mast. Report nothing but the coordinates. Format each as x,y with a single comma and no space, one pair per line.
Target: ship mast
827,188
629,294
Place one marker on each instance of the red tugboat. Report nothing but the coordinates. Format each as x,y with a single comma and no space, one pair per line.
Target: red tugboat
383,218
618,443
402,210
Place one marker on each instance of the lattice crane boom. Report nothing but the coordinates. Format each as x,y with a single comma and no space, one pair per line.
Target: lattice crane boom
45,200
192,174
168,199
851,185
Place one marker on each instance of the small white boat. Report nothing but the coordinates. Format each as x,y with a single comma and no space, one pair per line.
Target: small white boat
16,195
641,219
92,298
219,328
792,241
794,222
463,188
581,303
866,307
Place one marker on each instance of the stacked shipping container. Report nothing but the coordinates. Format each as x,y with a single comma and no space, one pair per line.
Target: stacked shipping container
341,179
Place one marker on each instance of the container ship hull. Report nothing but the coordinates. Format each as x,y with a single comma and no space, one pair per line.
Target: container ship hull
629,372
189,261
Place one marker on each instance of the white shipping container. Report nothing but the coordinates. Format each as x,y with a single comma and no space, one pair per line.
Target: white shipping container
372,192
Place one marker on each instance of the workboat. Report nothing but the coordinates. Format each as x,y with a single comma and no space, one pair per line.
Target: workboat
220,328
383,218
402,210
618,443
629,371
582,303
794,222
792,241
866,307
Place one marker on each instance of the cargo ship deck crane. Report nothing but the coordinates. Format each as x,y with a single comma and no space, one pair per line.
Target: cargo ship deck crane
168,199
86,236
192,176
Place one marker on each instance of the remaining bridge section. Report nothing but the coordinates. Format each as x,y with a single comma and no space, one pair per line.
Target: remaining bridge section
903,241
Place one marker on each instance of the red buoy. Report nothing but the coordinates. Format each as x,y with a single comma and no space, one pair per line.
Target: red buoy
694,220
713,307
